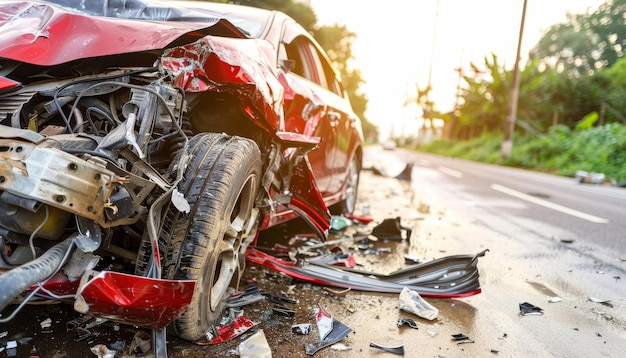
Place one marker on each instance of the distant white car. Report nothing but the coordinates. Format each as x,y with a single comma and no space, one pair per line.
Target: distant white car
389,145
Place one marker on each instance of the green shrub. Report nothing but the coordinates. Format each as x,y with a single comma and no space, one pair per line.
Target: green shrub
600,149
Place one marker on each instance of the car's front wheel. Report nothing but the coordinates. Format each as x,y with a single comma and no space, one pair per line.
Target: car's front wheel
208,244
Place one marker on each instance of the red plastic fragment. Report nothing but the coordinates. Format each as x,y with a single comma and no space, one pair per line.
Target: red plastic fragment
239,326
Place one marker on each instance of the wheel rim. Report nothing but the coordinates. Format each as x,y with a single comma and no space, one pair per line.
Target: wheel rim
238,231
352,186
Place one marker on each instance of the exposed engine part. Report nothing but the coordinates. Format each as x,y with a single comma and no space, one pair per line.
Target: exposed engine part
19,279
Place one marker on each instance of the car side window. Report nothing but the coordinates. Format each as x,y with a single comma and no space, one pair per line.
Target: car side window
307,60
331,79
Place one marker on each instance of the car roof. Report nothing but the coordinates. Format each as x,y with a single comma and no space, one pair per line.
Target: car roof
251,20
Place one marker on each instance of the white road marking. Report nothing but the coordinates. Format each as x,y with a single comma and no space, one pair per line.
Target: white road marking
450,172
549,205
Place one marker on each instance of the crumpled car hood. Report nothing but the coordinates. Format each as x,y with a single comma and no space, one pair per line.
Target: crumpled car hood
37,33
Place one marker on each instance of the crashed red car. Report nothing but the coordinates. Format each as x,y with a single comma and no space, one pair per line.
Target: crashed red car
144,144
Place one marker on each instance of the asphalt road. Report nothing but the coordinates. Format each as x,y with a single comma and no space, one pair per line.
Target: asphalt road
548,236
549,206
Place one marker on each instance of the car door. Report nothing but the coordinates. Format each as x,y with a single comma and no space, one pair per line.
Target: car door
306,104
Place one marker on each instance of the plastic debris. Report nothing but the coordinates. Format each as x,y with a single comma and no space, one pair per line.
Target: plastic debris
395,349
527,309
102,351
141,343
118,346
391,229
255,346
600,301
279,300
340,347
83,325
331,331
225,333
407,321
460,338
360,219
339,223
283,311
338,259
179,201
554,299
324,322
252,294
302,328
46,323
447,277
337,293
590,177
411,260
412,302
406,172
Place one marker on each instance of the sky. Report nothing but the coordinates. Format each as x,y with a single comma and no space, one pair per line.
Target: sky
400,44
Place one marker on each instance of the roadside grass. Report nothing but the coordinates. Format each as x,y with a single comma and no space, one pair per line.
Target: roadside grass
560,151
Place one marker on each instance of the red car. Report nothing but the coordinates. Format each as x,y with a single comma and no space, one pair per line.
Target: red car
143,145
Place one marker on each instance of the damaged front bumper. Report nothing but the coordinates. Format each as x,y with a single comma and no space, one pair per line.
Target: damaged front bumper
140,301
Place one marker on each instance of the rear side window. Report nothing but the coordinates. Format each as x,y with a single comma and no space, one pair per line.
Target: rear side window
311,64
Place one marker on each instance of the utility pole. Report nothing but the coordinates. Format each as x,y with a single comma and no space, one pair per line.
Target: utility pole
428,107
511,118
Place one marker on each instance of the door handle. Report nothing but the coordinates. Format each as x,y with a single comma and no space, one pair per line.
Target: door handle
333,116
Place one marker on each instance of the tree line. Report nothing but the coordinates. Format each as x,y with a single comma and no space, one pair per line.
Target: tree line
576,72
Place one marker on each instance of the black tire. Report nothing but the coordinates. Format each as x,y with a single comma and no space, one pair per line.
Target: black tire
348,204
208,244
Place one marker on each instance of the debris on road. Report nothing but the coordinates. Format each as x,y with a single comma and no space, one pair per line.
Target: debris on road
391,229
252,294
302,328
460,338
337,293
83,325
227,332
407,321
331,331
46,323
395,349
527,309
448,277
412,302
411,260
600,301
141,343
103,351
255,346
582,176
